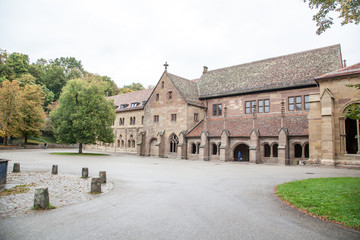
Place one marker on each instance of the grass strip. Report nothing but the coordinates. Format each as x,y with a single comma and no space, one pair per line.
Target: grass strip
334,199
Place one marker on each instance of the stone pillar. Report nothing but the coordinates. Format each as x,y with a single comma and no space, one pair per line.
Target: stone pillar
102,176
54,169
141,143
204,146
327,128
85,173
283,150
95,185
225,146
161,143
16,167
41,198
182,146
254,149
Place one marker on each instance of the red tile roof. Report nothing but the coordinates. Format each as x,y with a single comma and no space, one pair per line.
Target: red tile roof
353,69
267,124
140,97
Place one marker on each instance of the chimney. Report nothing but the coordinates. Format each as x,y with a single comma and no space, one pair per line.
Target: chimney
205,69
344,63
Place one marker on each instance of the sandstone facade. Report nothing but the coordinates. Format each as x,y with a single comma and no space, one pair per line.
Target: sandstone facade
276,111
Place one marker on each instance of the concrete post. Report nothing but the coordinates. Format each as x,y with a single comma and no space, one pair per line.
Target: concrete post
41,198
95,185
102,176
85,173
54,169
16,167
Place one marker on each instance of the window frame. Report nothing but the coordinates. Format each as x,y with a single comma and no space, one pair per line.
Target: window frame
217,109
173,117
306,103
156,118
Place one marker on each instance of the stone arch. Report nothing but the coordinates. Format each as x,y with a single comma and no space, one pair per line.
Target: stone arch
267,150
306,150
174,141
118,143
243,149
297,150
193,148
214,148
133,143
122,143
129,143
275,147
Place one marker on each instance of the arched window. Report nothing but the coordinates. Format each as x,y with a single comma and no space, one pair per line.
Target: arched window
266,150
122,143
129,143
118,143
306,150
193,148
197,148
275,150
214,149
298,150
174,141
133,143
133,120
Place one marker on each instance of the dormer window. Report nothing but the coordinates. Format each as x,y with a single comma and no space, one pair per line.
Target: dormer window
135,104
122,106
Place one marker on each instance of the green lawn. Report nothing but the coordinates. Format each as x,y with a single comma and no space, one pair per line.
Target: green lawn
335,199
80,154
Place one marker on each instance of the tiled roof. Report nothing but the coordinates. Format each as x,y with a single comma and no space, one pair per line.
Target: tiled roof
129,98
294,70
267,124
188,89
353,69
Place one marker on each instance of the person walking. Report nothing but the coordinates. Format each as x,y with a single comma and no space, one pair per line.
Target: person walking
45,145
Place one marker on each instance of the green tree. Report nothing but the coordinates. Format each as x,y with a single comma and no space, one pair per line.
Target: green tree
10,114
83,115
6,72
349,12
135,86
19,63
54,79
32,114
112,89
353,111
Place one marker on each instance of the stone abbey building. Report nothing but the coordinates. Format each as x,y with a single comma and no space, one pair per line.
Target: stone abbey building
280,110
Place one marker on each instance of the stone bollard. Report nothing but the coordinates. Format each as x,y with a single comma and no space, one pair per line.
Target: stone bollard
41,198
85,172
95,185
102,175
54,169
16,167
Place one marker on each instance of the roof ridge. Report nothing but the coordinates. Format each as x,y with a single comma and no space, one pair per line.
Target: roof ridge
272,58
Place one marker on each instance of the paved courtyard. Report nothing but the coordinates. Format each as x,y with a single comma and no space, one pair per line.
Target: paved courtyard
157,198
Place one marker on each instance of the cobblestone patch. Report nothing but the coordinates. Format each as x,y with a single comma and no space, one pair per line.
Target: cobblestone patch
64,190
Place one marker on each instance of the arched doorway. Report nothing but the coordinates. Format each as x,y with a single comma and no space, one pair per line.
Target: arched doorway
242,151
351,127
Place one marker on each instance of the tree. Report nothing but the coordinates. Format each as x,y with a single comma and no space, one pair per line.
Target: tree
10,100
32,114
19,63
83,115
131,88
349,12
353,111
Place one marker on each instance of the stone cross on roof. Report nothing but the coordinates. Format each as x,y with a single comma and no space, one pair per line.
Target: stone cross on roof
166,65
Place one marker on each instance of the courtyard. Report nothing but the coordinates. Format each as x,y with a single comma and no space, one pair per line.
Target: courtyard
163,198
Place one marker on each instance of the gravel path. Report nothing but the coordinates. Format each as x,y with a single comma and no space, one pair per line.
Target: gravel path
64,189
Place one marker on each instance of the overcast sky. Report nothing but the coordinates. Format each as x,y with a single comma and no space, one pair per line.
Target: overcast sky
130,41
